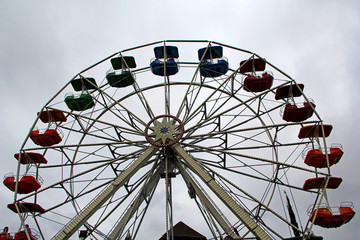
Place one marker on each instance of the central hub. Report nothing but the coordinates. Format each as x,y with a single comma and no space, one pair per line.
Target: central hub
165,130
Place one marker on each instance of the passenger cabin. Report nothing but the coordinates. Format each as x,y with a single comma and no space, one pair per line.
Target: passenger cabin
316,157
325,218
46,137
80,102
212,63
22,235
47,116
25,207
289,91
165,63
296,113
121,76
30,157
312,131
119,80
6,236
83,84
258,83
253,82
318,182
252,65
123,62
27,183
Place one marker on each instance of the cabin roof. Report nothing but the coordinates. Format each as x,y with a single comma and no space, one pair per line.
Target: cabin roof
184,232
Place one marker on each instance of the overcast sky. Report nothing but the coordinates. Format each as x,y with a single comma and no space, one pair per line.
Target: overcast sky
45,43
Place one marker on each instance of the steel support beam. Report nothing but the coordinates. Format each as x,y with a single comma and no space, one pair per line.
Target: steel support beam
218,216
97,202
222,194
146,190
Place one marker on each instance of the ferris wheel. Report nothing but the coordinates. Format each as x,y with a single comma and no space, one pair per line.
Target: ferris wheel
138,129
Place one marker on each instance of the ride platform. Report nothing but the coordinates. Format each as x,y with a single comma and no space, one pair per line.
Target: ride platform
308,238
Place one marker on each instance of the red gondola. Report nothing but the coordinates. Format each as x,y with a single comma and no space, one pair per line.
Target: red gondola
22,236
6,236
289,91
25,207
252,65
48,138
30,157
258,83
316,158
27,184
52,116
316,183
326,219
314,131
294,113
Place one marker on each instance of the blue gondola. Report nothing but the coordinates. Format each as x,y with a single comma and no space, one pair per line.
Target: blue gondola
171,52
214,69
213,64
162,66
208,53
158,67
